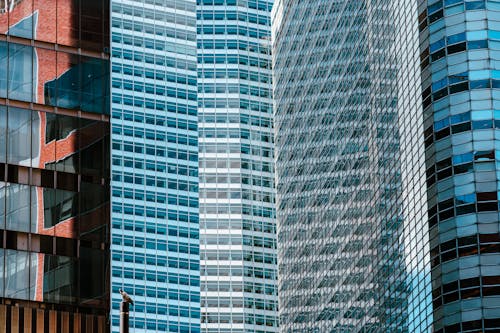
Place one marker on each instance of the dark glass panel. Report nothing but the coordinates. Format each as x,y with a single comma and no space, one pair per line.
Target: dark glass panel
95,85
60,207
59,279
92,147
457,48
467,283
92,277
93,204
92,24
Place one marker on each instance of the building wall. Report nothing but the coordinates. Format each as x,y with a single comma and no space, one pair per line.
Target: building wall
155,230
339,208
237,214
414,193
460,74
54,163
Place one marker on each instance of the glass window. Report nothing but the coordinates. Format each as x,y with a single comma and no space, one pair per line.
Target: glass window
47,58
17,206
22,65
3,69
21,24
18,137
3,132
18,268
45,25
68,18
94,22
59,279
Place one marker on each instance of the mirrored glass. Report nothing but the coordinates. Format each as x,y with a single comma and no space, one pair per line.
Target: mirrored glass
18,137
92,24
45,74
17,274
59,279
17,203
22,19
68,18
3,69
45,27
22,65
3,134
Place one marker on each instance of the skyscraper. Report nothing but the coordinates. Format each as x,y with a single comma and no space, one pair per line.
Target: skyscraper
436,64
54,166
155,245
237,214
460,122
337,167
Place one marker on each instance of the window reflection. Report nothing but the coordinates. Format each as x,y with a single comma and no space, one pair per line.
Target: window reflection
21,71
19,136
53,141
61,79
19,267
17,206
3,133
40,277
73,23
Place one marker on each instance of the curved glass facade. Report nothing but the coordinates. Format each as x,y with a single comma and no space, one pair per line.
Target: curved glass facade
237,215
460,62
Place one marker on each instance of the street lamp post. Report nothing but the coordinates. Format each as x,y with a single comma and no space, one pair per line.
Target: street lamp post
124,316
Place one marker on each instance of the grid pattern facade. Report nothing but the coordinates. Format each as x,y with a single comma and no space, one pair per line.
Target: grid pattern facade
460,73
237,214
155,227
340,217
415,236
54,165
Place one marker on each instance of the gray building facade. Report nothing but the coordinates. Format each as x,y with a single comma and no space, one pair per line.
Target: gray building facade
337,169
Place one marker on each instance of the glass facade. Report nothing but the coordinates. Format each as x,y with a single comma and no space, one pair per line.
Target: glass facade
460,70
339,208
155,228
237,214
437,64
54,165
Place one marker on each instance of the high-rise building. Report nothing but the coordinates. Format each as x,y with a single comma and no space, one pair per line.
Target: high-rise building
458,129
237,214
337,167
435,66
54,166
155,229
